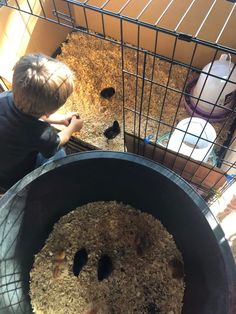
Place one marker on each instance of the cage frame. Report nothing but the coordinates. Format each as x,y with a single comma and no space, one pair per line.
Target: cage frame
135,143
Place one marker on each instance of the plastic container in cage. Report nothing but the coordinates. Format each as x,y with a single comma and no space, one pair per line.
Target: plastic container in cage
212,92
193,137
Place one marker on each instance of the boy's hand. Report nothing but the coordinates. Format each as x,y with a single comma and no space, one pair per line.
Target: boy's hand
76,123
68,117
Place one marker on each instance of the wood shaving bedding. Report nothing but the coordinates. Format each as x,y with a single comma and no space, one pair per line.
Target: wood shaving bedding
145,273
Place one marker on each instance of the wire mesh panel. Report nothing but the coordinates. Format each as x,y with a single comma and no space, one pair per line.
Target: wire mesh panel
165,127
177,78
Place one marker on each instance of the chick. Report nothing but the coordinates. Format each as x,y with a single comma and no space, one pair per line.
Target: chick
105,267
107,92
112,131
80,260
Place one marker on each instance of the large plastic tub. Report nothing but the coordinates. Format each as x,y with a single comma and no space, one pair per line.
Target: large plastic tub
29,210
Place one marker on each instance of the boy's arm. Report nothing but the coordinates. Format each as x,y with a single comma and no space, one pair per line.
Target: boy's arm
57,118
75,125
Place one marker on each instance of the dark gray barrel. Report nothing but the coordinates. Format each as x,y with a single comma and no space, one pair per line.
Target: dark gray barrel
30,208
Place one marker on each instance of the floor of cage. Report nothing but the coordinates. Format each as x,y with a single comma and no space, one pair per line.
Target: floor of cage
97,64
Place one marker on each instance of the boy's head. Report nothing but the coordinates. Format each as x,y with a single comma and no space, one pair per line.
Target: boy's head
41,84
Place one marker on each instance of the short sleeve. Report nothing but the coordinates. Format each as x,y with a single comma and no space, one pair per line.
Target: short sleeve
49,142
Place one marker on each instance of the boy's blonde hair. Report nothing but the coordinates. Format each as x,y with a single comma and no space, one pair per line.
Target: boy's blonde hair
41,84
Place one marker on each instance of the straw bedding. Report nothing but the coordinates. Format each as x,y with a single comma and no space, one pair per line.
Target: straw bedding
97,64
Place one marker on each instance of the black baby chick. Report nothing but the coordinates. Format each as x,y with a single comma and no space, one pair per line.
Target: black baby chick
107,92
80,260
112,131
105,267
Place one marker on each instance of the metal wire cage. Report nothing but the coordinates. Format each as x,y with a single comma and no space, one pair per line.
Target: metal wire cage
181,37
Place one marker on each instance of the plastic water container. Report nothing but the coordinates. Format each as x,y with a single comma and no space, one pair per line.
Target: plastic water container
195,137
214,90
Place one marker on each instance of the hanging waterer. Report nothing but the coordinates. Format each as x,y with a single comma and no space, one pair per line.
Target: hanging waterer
212,95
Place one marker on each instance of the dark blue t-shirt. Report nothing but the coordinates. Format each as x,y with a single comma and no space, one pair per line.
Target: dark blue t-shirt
21,138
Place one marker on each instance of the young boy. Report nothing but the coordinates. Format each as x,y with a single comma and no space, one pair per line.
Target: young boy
40,86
